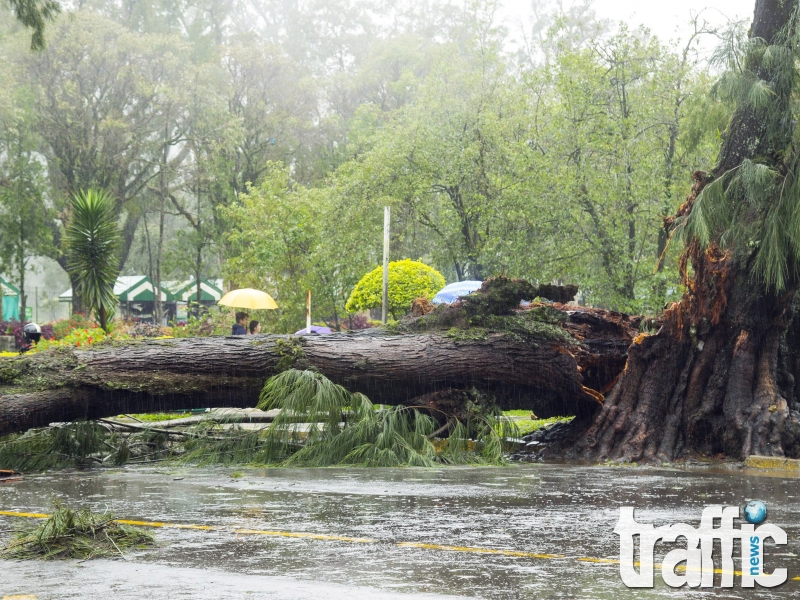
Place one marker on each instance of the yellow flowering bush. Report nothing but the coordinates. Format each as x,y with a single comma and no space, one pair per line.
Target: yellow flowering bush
408,280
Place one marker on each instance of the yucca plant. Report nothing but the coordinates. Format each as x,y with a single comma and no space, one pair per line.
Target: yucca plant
92,239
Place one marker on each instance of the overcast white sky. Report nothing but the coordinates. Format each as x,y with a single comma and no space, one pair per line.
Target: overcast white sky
668,19
664,17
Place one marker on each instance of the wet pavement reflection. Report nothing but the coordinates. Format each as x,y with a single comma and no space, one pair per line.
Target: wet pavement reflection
564,510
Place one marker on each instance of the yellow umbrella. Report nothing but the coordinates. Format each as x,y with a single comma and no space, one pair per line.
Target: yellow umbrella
248,298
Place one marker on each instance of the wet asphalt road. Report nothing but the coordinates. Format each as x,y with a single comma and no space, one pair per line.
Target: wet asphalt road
542,509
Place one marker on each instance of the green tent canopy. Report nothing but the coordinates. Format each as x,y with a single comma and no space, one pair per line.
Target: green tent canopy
136,296
186,291
10,308
128,288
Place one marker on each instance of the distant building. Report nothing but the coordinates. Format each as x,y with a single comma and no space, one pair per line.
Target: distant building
136,295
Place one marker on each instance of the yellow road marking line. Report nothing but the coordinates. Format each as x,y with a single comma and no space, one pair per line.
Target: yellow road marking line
11,513
170,525
682,568
340,538
597,560
313,536
20,597
477,550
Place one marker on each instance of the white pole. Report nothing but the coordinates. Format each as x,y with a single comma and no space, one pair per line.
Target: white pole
308,312
385,299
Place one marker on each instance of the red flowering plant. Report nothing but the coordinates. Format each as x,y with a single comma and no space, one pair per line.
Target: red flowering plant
81,338
64,327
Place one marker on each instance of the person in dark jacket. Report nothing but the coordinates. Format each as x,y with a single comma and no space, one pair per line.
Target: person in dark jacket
240,327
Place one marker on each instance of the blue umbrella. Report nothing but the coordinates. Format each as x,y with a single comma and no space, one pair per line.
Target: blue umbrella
314,329
450,293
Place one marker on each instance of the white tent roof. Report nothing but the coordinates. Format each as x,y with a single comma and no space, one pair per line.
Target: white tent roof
126,282
122,285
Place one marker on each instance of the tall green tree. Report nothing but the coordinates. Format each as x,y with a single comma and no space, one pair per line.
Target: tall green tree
450,164
610,126
25,216
104,97
281,241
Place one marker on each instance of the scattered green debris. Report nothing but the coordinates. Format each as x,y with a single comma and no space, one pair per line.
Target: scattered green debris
78,445
322,424
499,296
319,424
69,533
495,309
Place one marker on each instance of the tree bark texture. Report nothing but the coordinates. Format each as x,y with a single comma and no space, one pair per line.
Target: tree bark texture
705,386
717,378
549,378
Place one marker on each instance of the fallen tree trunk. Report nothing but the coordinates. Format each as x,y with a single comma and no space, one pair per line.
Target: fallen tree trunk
549,377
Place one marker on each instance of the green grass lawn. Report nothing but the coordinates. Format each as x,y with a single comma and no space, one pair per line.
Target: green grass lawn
147,417
527,426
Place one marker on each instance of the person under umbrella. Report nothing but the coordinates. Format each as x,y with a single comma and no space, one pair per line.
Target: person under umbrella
246,298
239,328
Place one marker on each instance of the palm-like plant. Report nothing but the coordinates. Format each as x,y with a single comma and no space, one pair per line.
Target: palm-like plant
92,239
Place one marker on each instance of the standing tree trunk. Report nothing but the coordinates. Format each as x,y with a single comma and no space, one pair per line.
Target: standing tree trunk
158,307
77,301
21,260
714,378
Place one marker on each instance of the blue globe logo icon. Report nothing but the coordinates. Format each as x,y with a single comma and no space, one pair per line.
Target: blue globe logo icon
755,512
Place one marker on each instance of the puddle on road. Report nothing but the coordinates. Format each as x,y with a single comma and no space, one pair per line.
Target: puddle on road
530,509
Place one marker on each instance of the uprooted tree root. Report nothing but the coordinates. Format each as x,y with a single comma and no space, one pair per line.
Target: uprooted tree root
82,534
494,307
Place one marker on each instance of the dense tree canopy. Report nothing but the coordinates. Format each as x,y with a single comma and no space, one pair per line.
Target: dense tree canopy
259,142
